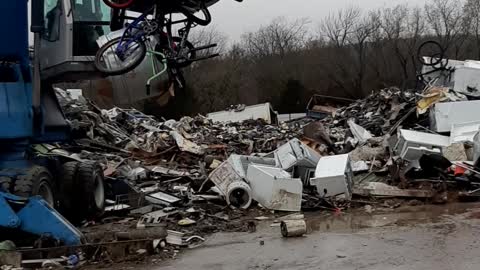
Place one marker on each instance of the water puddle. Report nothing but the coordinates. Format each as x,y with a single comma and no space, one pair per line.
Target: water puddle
405,216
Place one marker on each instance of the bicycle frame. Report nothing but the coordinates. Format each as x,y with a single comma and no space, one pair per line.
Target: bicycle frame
183,33
133,36
156,73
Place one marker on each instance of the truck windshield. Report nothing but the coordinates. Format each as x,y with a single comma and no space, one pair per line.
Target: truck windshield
91,20
90,11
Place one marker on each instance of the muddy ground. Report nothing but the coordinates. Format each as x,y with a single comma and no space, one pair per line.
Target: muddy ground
428,237
423,237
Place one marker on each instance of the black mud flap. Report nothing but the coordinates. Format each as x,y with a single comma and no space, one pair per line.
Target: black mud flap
50,123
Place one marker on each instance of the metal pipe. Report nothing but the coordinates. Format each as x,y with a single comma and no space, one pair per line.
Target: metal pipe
38,25
36,73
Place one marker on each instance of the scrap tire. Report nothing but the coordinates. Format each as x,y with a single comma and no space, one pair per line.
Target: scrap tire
90,181
191,16
67,190
36,181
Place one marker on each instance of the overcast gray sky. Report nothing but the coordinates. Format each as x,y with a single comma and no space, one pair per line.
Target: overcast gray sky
235,18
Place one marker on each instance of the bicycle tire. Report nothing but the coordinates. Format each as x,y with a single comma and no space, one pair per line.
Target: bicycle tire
114,4
191,16
438,56
100,66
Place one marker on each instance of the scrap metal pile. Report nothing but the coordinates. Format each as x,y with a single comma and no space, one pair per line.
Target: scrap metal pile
158,170
189,139
378,113
195,176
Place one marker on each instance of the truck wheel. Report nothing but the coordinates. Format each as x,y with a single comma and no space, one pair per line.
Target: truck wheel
36,181
5,184
67,190
90,182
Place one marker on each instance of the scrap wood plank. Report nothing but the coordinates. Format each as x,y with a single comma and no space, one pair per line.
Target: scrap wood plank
411,193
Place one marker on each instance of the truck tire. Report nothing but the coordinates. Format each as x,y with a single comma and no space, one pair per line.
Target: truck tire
5,184
37,180
91,183
67,191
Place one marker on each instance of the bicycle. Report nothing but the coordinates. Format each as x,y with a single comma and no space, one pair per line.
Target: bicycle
174,52
186,7
432,54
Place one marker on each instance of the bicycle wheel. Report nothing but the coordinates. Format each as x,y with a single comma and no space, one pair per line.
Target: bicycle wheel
190,14
110,63
433,50
119,4
186,55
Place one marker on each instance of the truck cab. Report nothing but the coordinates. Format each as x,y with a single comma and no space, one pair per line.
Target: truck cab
68,43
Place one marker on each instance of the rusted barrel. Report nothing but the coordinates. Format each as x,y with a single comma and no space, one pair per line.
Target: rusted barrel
293,228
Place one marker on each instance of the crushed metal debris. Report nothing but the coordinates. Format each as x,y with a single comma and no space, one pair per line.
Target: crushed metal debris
176,182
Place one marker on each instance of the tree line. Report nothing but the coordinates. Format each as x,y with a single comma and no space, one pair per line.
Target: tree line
349,53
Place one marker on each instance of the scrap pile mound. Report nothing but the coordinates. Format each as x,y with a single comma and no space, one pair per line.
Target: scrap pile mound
190,139
184,173
166,163
378,112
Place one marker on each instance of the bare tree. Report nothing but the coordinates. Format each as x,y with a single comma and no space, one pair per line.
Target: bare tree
336,31
280,37
472,12
209,35
416,27
336,28
445,18
394,23
354,52
363,31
